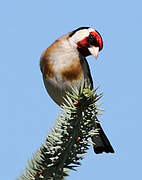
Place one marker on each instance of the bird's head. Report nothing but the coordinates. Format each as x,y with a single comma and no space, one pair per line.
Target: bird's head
87,40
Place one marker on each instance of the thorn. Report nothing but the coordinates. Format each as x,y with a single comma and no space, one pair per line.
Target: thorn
86,86
60,169
78,139
37,174
76,103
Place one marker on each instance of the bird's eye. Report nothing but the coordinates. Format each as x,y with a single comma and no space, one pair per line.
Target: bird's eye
92,40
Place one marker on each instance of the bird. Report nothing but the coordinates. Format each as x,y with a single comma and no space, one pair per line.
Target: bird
63,65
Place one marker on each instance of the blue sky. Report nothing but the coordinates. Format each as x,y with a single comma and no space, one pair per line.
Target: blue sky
28,113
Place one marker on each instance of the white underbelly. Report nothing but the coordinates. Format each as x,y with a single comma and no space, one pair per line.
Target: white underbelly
57,88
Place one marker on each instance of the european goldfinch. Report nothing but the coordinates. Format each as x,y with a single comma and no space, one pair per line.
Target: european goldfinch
63,65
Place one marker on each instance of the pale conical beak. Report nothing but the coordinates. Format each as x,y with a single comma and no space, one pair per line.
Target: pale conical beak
94,51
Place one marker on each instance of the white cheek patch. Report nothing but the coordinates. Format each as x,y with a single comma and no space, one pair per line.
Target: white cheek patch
91,30
80,35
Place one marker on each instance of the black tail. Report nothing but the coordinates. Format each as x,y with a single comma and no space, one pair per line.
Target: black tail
101,142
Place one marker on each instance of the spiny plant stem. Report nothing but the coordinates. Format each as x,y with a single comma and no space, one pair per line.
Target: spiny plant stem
68,141
69,146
